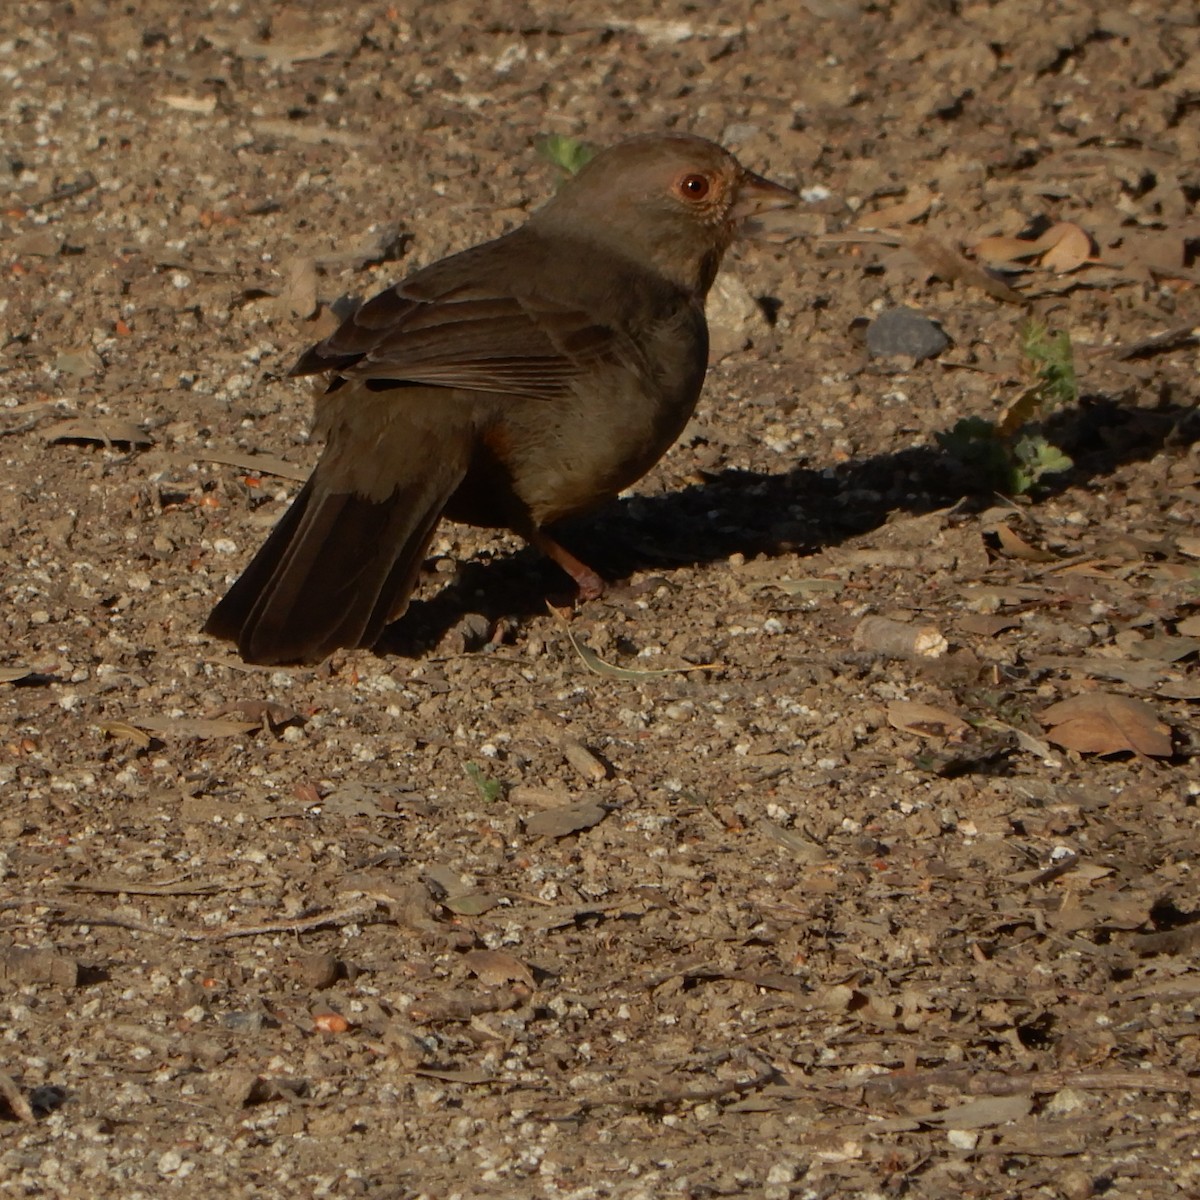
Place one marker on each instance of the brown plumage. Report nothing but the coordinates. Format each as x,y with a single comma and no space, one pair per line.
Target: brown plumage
511,385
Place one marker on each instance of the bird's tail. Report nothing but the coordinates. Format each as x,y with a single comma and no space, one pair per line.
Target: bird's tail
343,561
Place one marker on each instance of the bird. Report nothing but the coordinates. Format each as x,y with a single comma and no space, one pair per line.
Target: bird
511,385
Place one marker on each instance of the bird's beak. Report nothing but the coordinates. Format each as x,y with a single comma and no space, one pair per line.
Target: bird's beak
757,195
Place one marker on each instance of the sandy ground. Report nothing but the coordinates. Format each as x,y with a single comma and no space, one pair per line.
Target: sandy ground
734,914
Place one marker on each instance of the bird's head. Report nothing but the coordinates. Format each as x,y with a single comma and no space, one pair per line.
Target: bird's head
672,201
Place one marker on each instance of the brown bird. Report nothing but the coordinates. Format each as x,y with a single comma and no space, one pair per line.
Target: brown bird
519,382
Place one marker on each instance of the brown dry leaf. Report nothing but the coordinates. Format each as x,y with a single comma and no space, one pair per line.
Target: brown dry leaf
808,588
12,674
1019,410
296,46
1136,674
1090,873
472,904
947,263
266,714
197,727
123,729
1002,251
494,967
561,822
1165,648
598,666
261,464
913,209
106,430
1072,248
1012,545
14,1098
465,1076
984,1113
925,720
1104,723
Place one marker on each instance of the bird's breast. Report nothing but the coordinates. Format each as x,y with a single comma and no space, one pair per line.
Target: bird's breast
573,453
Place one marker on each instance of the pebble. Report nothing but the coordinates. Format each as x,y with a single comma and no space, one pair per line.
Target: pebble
905,331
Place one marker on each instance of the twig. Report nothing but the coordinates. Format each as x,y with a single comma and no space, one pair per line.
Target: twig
66,191
128,887
669,1099
357,911
999,1083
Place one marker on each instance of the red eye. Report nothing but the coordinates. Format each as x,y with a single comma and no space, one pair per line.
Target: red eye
693,187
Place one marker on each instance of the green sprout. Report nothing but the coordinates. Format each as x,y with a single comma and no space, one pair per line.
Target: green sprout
489,789
1010,453
568,154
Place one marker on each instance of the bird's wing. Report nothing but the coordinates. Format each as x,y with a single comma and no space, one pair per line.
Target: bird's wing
475,335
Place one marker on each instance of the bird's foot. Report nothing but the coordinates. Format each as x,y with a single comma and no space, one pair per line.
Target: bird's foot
591,586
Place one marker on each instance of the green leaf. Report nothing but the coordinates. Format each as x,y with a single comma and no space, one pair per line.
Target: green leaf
490,789
568,154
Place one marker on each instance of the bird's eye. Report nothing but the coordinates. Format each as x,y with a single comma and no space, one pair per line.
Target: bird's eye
693,187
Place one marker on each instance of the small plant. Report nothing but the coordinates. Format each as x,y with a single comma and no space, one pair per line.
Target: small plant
568,154
1009,452
489,789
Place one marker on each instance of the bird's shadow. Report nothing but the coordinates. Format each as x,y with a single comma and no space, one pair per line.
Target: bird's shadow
755,513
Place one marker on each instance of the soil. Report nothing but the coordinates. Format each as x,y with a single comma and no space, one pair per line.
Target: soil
773,872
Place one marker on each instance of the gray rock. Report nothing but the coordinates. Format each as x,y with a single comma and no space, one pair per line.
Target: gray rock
905,331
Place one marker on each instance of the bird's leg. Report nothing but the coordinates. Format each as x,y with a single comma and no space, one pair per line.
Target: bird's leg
591,586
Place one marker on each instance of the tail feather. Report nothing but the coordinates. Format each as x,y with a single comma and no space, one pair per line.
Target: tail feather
335,570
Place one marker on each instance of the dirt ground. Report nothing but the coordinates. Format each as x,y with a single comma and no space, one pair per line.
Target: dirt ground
804,888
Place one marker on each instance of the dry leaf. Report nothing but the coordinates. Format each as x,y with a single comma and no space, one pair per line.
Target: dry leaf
12,674
904,213
472,904
494,967
1012,545
1165,648
983,1113
1001,251
198,727
450,1076
947,263
99,429
598,666
561,822
261,464
265,714
925,720
1103,723
125,730
1020,410
1071,249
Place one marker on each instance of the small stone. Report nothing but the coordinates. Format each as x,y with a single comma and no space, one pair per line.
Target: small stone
905,331
734,317
1065,1102
316,970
